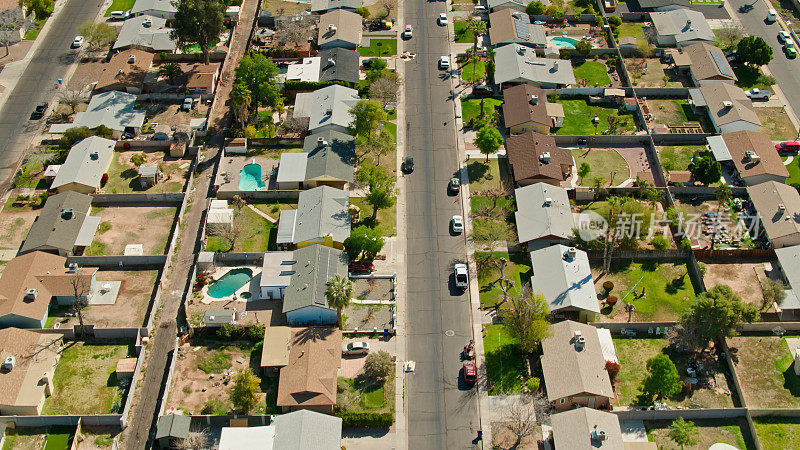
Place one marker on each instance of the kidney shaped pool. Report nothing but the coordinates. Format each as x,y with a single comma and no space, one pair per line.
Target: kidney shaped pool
229,283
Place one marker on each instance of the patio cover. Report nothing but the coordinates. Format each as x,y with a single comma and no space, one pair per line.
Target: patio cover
719,149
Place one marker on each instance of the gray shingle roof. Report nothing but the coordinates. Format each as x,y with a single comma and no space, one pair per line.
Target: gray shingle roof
347,27
301,430
292,168
136,32
173,425
113,109
327,5
316,264
332,161
684,24
142,6
86,163
566,283
535,219
327,106
344,67
56,226
322,212
517,63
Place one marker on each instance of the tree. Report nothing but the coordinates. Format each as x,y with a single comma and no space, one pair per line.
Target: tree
526,319
616,206
241,99
98,35
364,242
705,169
73,135
729,36
171,71
662,379
644,49
198,22
138,159
473,58
387,6
10,20
244,394
488,234
363,12
718,312
338,292
72,98
368,115
773,292
520,419
381,145
723,194
384,90
754,51
584,47
194,440
378,365
478,29
257,73
488,140
381,186
40,8
553,10
535,8
613,123
80,284
614,21
683,432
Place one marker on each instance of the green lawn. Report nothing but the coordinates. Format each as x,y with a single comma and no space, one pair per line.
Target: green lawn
361,395
388,47
632,29
273,208
463,34
794,171
748,78
33,32
595,73
471,108
386,221
579,114
478,202
479,72
678,157
46,438
120,5
602,162
505,365
778,433
709,432
253,234
491,175
124,178
56,440
517,269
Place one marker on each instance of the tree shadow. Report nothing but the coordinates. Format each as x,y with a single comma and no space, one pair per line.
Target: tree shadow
476,170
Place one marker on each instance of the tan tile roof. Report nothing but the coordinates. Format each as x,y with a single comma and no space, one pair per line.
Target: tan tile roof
34,354
277,343
523,152
569,370
768,162
716,93
705,65
518,109
120,72
767,199
309,379
348,27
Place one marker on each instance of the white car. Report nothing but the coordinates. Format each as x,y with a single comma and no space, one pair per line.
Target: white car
355,348
772,15
77,42
444,62
408,32
442,19
460,273
458,224
784,36
758,94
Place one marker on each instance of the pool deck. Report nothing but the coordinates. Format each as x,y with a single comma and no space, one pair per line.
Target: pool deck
253,286
231,167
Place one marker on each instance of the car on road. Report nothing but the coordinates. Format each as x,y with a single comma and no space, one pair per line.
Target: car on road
457,223
355,348
758,94
188,104
790,146
361,267
790,49
460,273
444,62
442,20
408,164
38,113
784,36
77,42
408,32
470,372
772,15
119,15
454,185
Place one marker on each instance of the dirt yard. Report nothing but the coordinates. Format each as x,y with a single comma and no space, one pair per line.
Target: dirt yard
86,74
503,437
268,312
650,73
764,366
743,277
123,174
96,438
121,226
372,289
14,226
169,114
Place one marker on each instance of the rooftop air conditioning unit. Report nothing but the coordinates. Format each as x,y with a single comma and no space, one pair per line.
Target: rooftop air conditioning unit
544,157
331,62
548,201
66,214
132,59
521,50
580,341
727,104
781,207
94,156
9,363
73,267
555,65
534,99
571,252
320,140
30,294
332,28
576,334
147,23
329,112
599,434
752,156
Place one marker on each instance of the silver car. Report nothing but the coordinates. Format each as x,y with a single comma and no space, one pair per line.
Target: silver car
355,348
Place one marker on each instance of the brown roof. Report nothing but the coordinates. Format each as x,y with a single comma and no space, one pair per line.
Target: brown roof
705,65
277,343
519,109
310,377
680,176
716,93
768,161
571,370
348,27
201,80
42,271
120,72
126,365
778,206
524,150
34,354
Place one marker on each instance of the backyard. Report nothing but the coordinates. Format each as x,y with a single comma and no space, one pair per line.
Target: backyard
471,109
601,162
778,433
385,221
730,431
123,176
252,232
579,114
379,47
36,438
15,223
764,366
775,122
650,72
793,167
85,381
632,29
149,226
672,112
678,157
594,73
505,362
517,269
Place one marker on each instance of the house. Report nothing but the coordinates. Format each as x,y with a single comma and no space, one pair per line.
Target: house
31,282
707,63
164,9
112,109
327,160
145,32
525,108
727,105
322,6
509,26
519,64
517,5
543,215
304,301
148,175
298,430
534,158
562,275
752,154
202,79
574,368
64,227
335,64
125,72
663,5
240,437
680,28
339,29
327,108
172,429
587,429
308,381
276,273
789,263
321,217
24,387
86,163
778,208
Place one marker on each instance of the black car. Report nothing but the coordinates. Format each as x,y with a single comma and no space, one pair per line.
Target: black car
408,165
454,185
38,113
482,91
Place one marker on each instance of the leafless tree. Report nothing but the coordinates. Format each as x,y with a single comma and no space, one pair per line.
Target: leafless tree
196,440
227,232
10,23
520,419
238,203
729,35
293,32
72,98
495,193
384,90
387,5
80,292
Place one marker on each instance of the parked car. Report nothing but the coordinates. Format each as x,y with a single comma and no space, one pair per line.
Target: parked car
791,146
355,348
482,90
408,164
784,36
454,185
470,372
480,9
188,104
460,272
442,19
444,62
772,15
790,50
361,267
408,32
119,15
458,224
77,42
756,94
38,113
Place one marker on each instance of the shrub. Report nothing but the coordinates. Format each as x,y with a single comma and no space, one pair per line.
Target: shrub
378,365
660,242
532,384
686,245
363,12
365,419
214,407
73,135
613,369
614,21
608,285
612,300
230,331
103,180
254,332
137,159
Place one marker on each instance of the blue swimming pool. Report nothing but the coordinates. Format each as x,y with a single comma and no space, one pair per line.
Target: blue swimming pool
229,283
250,178
563,42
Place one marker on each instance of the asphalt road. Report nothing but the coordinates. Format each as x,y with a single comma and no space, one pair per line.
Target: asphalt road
442,413
38,83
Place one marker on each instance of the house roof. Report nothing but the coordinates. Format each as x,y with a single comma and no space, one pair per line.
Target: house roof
518,63
525,156
519,107
573,430
789,259
143,6
316,264
113,109
277,342
327,106
768,198
173,425
120,71
306,70
42,271
495,3
768,162
716,94
536,218
34,354
327,5
237,438
570,369
292,168
509,25
343,68
708,62
309,379
334,161
684,24
566,283
86,163
218,316
348,27
652,4
301,430
322,212
145,31
63,224
277,269
286,226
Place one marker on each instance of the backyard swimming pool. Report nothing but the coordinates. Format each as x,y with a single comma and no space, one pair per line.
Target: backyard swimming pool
563,42
229,283
250,178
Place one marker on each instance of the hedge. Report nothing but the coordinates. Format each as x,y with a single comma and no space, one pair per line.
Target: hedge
352,419
298,85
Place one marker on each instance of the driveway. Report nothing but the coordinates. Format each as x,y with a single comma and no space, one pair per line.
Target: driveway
352,365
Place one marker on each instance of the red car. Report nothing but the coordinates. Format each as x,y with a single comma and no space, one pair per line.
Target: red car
787,146
470,372
361,267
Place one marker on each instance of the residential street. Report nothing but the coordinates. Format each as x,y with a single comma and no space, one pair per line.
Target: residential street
38,82
442,413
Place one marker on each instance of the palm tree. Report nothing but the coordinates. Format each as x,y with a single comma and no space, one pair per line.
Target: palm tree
241,98
473,57
723,194
171,71
478,28
339,292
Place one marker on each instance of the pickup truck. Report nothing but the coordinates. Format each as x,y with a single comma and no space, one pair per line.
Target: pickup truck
757,93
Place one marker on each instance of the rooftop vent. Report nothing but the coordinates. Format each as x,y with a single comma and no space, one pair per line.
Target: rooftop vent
331,62
534,99
30,294
147,23
332,28
781,207
73,267
544,157
570,253
94,156
548,201
555,66
329,112
727,104
752,156
9,363
67,213
521,50
598,434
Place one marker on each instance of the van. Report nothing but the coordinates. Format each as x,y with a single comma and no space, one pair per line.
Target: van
480,9
119,15
772,15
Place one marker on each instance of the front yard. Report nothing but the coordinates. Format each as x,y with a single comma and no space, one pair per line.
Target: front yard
362,395
385,221
764,365
505,363
748,78
473,72
729,431
15,223
488,175
579,114
776,123
594,73
463,34
517,269
471,109
379,47
602,162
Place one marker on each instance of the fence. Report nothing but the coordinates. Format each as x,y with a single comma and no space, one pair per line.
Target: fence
264,142
659,92
675,139
118,261
672,254
704,191
214,56
259,195
100,420
640,327
232,259
224,421
575,18
168,382
133,199
736,254
600,139
145,146
688,414
137,373
171,97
